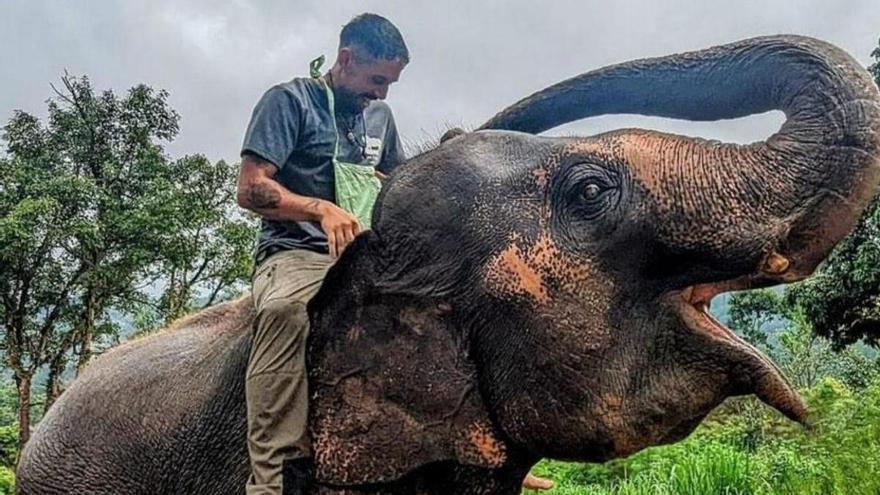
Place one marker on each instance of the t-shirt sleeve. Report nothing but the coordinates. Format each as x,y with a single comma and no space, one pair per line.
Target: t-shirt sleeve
274,128
393,154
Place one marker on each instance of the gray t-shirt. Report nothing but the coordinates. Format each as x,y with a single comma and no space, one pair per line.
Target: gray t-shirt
291,128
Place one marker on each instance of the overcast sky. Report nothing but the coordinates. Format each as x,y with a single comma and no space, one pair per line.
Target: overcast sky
469,58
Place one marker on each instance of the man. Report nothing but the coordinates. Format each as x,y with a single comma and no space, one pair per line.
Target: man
303,161
304,137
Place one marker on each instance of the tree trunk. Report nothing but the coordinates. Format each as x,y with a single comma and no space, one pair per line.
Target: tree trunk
174,299
23,381
85,349
88,330
54,386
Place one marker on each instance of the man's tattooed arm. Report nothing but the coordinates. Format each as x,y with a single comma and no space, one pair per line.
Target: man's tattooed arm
264,196
259,192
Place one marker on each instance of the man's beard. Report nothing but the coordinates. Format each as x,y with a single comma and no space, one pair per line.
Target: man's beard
349,102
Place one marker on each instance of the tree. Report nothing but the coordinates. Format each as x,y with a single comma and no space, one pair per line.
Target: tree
804,356
842,300
40,203
91,213
209,257
749,312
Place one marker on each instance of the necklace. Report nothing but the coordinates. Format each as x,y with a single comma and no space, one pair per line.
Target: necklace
359,142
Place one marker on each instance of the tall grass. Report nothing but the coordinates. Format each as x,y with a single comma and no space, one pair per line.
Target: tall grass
747,449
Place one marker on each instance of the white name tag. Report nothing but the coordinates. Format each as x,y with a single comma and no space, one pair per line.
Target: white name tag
373,151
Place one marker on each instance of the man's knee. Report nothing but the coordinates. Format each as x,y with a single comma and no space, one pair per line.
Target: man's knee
280,330
283,314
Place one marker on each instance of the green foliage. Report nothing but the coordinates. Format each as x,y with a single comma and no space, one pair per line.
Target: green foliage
209,256
842,300
8,429
7,480
92,212
8,404
8,445
841,455
803,355
750,311
82,215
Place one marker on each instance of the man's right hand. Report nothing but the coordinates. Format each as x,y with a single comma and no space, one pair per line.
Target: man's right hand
340,226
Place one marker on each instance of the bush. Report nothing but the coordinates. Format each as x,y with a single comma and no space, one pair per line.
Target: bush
8,445
7,481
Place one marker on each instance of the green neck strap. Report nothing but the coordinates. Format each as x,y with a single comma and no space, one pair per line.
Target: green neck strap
315,72
315,67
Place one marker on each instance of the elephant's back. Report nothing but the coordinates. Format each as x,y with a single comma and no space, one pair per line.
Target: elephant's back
163,413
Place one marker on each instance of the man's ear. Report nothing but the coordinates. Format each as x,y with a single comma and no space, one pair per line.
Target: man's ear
345,57
392,385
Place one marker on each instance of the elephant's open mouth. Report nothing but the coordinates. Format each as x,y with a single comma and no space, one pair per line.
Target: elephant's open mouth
750,370
697,299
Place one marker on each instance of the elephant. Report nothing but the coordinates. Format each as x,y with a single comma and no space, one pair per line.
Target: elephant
518,297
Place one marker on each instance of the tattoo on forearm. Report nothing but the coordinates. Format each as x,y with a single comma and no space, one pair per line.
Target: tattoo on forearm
264,196
312,206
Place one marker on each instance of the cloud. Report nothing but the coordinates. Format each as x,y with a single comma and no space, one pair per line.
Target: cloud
470,59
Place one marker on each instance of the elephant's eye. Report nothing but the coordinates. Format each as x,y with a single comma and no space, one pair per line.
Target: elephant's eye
591,191
588,190
595,197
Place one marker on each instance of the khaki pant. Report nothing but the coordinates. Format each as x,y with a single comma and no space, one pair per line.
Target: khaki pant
276,388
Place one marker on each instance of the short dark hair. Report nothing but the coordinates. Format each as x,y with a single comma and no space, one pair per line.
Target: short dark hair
376,35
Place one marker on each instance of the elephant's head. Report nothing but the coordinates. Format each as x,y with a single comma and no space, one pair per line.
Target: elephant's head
575,273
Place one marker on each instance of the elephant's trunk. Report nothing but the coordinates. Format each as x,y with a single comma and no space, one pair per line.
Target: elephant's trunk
788,200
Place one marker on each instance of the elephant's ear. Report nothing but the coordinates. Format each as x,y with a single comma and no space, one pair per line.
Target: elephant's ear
392,385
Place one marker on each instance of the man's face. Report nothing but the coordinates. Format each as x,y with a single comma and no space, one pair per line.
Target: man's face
361,82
